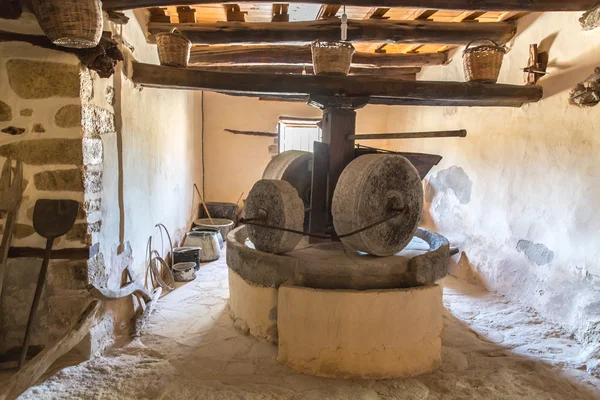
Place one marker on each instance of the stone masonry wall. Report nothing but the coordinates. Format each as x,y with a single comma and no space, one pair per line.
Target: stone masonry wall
40,124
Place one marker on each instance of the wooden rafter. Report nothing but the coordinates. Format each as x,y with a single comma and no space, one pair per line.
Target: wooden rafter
328,11
411,92
479,5
381,73
301,55
384,31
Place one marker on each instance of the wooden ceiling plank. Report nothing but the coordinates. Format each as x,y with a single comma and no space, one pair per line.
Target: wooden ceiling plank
298,55
384,31
419,92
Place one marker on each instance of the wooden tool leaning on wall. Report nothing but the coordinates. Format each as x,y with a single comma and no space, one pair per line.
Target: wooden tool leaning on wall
51,219
35,368
10,200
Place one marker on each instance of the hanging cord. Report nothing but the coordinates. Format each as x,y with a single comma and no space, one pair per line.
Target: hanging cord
251,221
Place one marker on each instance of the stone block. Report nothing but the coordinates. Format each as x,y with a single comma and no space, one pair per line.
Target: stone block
13,130
92,205
68,116
67,275
86,91
64,179
78,233
92,151
92,181
273,149
31,79
26,112
5,112
38,128
110,95
97,121
45,151
94,227
23,231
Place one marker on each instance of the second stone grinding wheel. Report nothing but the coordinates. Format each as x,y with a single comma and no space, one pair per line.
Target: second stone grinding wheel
368,189
278,204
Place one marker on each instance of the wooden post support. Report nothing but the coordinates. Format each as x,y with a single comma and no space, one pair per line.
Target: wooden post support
409,135
339,121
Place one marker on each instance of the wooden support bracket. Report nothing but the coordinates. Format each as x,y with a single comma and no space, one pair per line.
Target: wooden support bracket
536,66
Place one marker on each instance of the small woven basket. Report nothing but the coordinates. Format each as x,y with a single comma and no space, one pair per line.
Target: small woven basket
70,23
482,63
331,58
173,49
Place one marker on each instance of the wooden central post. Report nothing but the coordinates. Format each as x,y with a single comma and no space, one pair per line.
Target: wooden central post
332,155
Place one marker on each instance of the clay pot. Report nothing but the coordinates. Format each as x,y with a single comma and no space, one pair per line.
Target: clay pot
184,272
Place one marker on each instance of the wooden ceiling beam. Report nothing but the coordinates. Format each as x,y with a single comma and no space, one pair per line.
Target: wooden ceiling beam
407,74
477,5
301,55
416,92
384,31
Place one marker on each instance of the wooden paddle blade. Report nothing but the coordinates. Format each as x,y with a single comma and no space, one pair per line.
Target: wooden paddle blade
54,218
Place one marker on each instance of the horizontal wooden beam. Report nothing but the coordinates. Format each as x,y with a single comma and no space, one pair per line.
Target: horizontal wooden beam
301,55
409,135
82,253
304,32
408,74
474,5
412,92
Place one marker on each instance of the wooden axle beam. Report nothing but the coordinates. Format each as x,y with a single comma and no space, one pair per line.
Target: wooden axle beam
409,135
473,5
304,32
301,55
380,91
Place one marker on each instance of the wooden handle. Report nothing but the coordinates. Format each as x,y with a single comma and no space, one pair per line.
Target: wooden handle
36,300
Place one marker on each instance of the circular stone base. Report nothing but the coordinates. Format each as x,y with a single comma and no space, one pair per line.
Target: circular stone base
371,334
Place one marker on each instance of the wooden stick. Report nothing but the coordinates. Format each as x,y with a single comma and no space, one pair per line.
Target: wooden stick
145,317
34,369
204,204
409,135
251,133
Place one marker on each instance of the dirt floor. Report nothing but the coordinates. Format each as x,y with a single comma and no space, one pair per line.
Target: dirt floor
492,349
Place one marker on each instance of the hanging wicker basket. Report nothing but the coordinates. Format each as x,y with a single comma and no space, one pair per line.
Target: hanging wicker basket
331,58
173,49
482,63
70,23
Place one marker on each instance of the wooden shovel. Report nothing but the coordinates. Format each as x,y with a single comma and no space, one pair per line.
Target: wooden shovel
51,219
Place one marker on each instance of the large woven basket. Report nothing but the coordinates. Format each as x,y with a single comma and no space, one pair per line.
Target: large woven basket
173,49
482,63
70,23
331,58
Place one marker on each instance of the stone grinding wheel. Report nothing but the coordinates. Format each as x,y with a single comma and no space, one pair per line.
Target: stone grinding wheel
292,166
367,189
279,202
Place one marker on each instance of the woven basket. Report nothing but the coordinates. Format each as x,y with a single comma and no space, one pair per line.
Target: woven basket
70,23
482,63
331,58
173,49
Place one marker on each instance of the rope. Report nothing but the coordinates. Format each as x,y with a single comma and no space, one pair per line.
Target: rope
250,221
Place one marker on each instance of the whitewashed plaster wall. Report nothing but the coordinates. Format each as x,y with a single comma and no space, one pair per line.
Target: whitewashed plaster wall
150,165
519,195
233,163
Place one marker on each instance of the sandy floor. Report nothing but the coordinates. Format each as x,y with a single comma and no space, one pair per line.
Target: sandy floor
492,350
